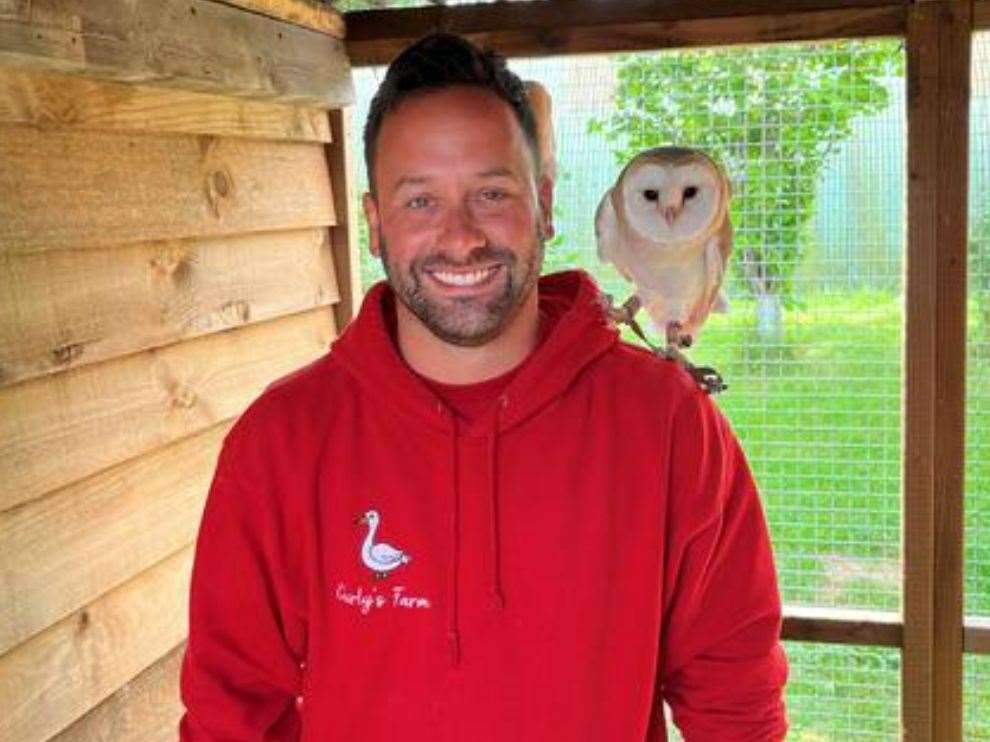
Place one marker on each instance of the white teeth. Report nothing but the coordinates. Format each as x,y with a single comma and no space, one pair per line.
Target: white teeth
463,279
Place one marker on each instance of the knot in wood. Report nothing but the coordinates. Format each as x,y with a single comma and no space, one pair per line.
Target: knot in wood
183,397
219,188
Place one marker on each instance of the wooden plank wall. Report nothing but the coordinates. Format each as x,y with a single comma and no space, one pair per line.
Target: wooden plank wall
165,253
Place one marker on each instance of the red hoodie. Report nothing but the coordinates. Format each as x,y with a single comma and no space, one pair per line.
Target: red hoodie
370,569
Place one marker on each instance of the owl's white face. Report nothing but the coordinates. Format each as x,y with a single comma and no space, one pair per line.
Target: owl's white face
666,202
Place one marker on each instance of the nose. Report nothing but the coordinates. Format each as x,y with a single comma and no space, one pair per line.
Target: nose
669,213
461,232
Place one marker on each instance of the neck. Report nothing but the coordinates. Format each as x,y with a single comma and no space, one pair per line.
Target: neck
441,361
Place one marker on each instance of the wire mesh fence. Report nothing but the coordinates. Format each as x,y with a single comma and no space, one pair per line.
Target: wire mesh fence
976,683
813,138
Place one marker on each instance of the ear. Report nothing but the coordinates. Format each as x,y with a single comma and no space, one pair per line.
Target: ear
544,194
374,223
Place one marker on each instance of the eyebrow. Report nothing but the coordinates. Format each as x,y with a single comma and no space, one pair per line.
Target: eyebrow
415,180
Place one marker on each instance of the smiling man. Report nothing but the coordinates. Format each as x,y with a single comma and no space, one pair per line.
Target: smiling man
481,515
458,215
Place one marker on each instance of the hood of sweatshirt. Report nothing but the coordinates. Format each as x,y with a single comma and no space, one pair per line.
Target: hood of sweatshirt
578,332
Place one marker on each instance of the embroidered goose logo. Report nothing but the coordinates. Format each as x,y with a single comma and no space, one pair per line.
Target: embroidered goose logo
379,558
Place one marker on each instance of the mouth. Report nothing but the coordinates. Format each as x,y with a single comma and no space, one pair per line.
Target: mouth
464,280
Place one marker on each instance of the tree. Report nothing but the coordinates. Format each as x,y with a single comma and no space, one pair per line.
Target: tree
772,115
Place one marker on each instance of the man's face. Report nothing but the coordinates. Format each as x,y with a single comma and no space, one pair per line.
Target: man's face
458,220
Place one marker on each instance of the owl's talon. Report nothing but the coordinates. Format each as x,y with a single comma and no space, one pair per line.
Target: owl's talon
708,379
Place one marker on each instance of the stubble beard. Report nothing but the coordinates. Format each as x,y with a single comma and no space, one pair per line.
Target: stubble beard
466,321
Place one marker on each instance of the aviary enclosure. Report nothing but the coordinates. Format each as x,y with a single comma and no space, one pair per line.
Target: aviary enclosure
179,225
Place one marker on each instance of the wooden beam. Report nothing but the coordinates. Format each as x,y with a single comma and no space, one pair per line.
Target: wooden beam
188,44
60,552
64,189
133,298
981,14
976,635
842,626
58,429
346,251
51,100
584,26
306,13
53,678
146,709
938,49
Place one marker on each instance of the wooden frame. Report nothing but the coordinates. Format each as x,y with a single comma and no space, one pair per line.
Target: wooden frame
931,632
187,44
585,26
179,166
306,13
981,14
938,53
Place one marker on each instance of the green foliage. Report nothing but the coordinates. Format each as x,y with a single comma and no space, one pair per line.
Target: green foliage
771,114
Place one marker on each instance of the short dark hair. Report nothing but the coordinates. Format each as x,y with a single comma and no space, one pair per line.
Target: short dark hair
438,61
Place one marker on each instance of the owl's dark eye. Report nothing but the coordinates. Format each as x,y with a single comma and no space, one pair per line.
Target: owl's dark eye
651,195
690,192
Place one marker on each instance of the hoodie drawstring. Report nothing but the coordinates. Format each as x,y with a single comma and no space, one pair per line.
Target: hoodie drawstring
497,596
498,599
453,629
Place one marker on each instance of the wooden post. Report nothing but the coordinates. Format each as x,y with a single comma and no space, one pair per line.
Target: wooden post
346,252
938,52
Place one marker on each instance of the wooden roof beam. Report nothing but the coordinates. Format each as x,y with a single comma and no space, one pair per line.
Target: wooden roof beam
549,27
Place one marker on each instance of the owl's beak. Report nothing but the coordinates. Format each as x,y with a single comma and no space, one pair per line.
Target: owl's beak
669,213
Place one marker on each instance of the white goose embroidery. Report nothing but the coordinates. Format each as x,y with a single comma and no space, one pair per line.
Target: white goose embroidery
379,558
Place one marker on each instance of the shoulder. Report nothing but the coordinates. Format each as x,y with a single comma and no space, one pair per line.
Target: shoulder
665,391
300,401
638,371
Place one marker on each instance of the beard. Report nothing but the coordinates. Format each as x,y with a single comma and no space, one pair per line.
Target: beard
466,320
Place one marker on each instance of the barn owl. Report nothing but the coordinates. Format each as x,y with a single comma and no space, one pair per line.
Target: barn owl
665,226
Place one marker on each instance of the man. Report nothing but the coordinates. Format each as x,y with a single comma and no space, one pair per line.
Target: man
480,516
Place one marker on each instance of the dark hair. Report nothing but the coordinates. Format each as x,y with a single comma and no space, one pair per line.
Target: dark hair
438,61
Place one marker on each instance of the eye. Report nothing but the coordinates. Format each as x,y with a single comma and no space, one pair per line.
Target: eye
651,195
690,192
493,194
418,202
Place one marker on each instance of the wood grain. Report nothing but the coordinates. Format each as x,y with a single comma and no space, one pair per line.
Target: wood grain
842,626
187,44
68,308
954,22
62,551
918,470
51,680
69,189
981,14
976,635
146,709
50,100
938,48
346,251
306,13
375,37
56,430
